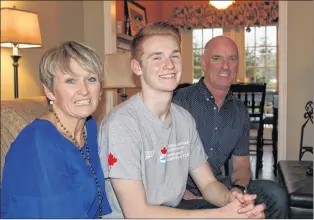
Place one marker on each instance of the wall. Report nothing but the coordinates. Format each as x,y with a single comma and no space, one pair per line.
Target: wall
70,20
59,21
299,72
162,10
153,10
187,56
159,9
94,28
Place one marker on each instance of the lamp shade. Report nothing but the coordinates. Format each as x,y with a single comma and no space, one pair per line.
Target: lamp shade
118,72
19,28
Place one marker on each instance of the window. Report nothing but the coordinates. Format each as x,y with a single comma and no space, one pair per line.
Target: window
258,47
261,55
200,38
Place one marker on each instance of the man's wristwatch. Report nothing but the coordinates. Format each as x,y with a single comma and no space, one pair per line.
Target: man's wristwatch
242,188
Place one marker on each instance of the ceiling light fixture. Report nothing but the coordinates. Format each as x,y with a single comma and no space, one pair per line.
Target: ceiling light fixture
221,4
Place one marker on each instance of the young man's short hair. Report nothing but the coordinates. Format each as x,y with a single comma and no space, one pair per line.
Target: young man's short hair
159,28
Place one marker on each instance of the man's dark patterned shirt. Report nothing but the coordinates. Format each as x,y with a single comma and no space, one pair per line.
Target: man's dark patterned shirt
223,132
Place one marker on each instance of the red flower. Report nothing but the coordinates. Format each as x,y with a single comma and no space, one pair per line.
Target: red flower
163,150
111,159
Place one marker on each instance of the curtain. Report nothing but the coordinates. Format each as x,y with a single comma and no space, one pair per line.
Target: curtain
239,14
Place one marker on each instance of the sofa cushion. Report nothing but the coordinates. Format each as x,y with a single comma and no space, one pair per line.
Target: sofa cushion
15,115
292,175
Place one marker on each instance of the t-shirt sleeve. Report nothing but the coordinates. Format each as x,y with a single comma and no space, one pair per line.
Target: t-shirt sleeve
119,143
242,147
32,184
198,156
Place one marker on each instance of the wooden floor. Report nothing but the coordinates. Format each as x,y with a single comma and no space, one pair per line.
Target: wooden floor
267,171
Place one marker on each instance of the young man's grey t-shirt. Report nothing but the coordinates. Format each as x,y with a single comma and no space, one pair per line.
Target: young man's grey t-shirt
135,145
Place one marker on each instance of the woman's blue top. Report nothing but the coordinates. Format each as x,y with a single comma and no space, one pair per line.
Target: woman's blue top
45,175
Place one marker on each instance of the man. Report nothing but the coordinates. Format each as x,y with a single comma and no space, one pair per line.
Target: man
152,144
223,124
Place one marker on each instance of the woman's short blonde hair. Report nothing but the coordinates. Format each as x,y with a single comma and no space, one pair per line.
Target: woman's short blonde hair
58,58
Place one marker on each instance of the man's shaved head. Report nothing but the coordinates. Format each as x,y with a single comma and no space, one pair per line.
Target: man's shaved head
218,41
220,63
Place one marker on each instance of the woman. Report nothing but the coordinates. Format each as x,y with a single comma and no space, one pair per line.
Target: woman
52,169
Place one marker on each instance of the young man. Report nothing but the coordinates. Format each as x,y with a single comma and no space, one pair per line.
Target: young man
223,124
149,145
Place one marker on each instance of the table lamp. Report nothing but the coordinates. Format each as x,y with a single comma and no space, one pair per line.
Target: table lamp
118,72
19,29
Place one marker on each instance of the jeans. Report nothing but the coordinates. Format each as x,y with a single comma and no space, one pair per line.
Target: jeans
268,192
273,195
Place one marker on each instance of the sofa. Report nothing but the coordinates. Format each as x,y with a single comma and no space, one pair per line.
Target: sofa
17,113
292,175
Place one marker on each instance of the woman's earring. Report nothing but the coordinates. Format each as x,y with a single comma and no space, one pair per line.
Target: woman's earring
51,102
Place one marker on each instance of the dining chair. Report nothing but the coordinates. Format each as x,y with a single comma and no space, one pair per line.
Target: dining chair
271,119
308,115
253,97
269,114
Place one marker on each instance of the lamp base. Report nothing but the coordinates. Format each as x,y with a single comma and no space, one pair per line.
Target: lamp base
15,64
123,95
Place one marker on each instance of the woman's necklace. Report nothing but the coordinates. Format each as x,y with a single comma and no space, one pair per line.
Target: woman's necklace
86,158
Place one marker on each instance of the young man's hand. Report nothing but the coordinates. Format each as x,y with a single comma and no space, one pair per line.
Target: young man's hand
246,200
235,209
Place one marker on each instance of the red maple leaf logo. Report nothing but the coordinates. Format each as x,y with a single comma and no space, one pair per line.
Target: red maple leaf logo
163,150
111,159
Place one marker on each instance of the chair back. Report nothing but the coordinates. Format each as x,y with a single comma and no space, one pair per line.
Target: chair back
253,97
308,115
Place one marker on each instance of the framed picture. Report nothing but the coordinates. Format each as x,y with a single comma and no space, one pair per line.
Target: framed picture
135,17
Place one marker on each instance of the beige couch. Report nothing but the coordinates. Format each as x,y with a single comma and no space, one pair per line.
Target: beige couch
17,113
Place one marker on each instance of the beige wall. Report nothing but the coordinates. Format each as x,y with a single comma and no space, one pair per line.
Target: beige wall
59,21
187,56
94,26
153,10
300,78
75,20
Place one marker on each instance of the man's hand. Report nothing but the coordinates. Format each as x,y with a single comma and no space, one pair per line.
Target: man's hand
238,194
246,203
233,210
246,200
189,196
